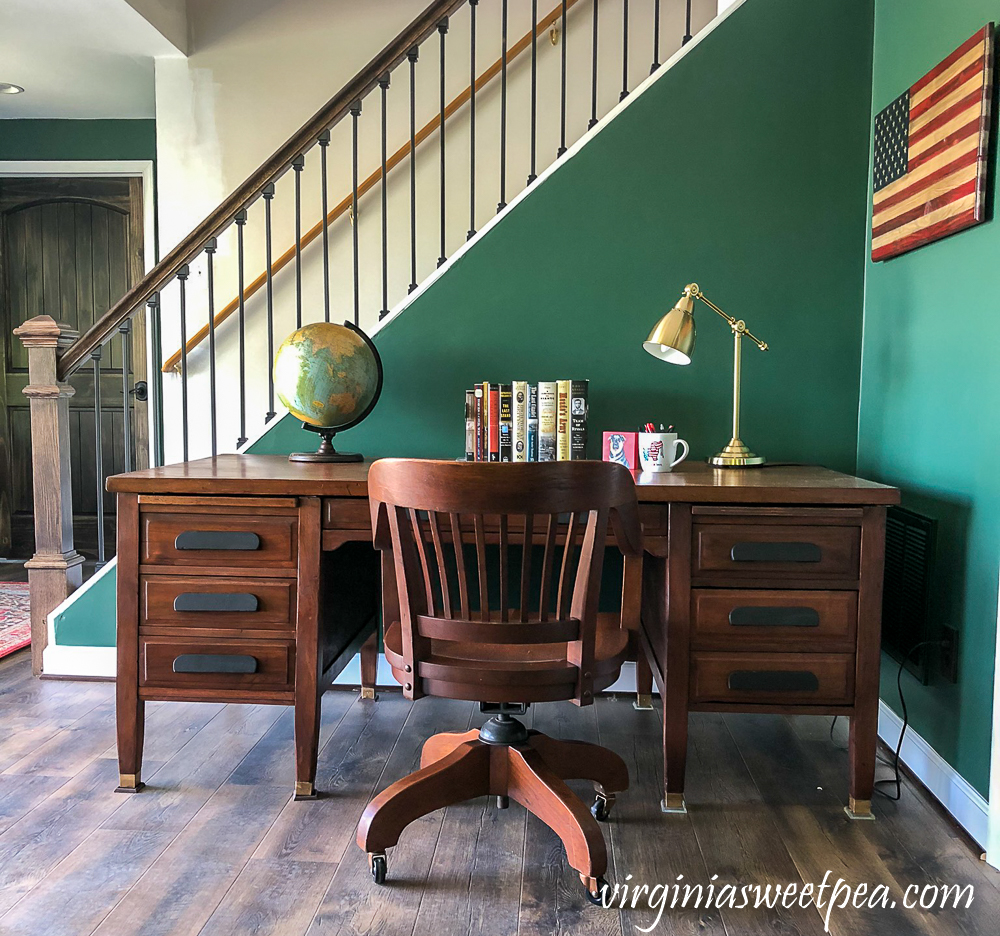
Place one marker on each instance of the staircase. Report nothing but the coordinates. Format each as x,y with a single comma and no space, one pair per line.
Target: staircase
433,141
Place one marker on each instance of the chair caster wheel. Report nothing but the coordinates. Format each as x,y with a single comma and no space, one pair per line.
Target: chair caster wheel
601,808
377,865
596,896
503,802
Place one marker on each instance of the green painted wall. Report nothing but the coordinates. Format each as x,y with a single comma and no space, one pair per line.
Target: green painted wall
929,385
743,168
90,620
77,139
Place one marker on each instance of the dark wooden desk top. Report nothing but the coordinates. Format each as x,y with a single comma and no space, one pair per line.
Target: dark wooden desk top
693,482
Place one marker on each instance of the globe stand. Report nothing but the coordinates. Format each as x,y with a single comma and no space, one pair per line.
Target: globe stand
326,453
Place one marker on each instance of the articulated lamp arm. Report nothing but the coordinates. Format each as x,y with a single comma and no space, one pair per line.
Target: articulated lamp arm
737,325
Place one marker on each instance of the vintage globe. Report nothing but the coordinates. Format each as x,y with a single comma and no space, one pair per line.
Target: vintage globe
328,375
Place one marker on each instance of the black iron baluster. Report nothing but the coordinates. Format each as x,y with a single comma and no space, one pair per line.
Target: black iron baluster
383,83
241,220
125,330
98,452
562,87
687,24
298,164
656,37
472,122
442,31
268,194
412,56
324,142
155,389
532,174
593,80
624,94
182,275
503,107
210,248
355,114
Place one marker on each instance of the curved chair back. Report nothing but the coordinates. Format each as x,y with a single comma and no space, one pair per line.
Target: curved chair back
525,575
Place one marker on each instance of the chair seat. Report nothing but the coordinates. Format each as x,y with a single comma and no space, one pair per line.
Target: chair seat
490,672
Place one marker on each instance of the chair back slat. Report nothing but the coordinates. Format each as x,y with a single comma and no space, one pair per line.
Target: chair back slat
527,540
463,584
464,623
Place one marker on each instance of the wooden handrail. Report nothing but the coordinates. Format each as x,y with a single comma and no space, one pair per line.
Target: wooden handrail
172,363
270,170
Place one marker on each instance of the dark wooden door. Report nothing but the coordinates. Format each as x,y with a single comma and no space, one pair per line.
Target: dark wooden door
69,248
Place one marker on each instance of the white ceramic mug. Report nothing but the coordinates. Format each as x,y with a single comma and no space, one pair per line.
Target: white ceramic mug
658,451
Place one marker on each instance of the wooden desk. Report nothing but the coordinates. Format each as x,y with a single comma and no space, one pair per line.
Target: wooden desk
761,591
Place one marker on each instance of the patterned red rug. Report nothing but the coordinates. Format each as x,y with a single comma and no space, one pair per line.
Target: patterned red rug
15,623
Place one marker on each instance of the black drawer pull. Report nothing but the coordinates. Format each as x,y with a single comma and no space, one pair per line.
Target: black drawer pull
776,552
216,601
215,663
217,539
773,681
774,617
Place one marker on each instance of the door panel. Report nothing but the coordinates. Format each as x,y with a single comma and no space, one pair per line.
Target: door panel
69,248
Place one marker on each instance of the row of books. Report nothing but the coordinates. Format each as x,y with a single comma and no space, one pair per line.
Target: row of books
521,421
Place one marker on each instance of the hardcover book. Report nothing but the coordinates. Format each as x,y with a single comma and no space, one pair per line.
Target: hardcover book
470,425
520,402
531,408
506,423
547,420
578,408
494,424
479,423
562,420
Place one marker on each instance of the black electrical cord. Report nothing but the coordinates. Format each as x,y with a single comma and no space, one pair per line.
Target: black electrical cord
894,763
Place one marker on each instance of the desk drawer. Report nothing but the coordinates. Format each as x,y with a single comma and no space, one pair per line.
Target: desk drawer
217,602
744,619
169,663
347,513
207,539
773,678
752,550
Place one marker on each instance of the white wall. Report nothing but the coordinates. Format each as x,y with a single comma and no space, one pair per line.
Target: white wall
257,70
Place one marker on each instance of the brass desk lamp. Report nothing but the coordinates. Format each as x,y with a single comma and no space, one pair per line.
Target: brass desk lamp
672,339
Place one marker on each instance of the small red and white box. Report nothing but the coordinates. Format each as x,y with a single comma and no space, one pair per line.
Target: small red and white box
622,448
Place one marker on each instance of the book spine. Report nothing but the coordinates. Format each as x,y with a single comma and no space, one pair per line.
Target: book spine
520,392
547,421
531,410
470,425
562,421
493,396
506,423
479,422
579,405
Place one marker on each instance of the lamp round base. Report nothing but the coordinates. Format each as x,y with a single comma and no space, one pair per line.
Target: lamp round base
737,461
736,455
326,457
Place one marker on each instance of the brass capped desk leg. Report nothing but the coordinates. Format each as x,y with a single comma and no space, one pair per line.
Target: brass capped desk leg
368,692
304,790
643,702
129,783
674,804
859,809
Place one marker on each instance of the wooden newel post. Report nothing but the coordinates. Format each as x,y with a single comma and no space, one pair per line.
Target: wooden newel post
56,568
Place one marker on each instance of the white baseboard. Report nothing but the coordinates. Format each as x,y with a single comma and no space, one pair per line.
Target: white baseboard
969,809
79,661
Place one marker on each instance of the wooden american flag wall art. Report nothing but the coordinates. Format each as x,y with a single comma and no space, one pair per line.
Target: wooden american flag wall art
929,175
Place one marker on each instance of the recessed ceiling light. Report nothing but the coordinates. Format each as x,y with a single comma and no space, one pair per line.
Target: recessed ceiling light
7,88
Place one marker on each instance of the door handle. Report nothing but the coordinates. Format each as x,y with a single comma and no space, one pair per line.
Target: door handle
140,391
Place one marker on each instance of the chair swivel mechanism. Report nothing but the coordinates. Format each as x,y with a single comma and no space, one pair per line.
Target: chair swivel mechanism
490,594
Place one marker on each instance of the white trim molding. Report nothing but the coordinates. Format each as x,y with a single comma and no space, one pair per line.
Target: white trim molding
969,809
993,837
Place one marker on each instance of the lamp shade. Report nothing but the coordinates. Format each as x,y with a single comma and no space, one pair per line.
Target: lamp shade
672,338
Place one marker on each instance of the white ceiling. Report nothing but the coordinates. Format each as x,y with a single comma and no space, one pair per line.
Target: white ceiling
79,58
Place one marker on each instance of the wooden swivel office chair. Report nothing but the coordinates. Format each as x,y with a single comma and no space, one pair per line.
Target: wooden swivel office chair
459,631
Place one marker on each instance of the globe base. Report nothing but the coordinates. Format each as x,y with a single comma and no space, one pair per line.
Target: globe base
326,453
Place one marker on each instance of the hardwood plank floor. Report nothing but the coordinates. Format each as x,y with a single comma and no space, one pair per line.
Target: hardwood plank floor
215,846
